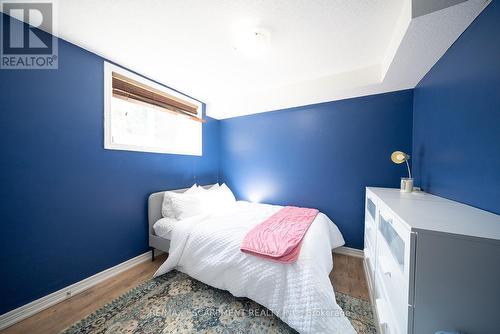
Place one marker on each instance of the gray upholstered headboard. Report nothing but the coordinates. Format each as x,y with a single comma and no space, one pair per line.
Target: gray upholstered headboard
154,208
155,202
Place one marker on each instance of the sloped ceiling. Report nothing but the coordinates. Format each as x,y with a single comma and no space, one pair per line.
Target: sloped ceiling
306,51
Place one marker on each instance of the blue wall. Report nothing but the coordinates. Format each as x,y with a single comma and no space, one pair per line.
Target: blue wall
69,208
456,133
319,156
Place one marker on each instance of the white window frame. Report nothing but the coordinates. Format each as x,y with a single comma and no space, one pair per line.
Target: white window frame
108,95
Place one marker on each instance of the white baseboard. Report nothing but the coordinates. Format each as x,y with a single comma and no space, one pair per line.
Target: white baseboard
27,310
349,251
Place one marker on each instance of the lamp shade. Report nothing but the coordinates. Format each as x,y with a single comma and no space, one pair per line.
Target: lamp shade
399,157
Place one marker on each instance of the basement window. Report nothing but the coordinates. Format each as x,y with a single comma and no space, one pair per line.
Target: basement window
141,115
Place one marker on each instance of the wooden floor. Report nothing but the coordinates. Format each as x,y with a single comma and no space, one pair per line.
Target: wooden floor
347,277
62,315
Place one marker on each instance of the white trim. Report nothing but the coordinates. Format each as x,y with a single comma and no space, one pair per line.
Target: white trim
27,310
108,92
350,251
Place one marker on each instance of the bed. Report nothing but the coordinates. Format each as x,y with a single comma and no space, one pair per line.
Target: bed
207,248
160,228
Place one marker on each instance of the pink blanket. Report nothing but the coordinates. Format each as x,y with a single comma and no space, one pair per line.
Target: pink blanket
279,237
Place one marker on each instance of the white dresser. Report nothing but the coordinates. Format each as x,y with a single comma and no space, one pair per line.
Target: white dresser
432,264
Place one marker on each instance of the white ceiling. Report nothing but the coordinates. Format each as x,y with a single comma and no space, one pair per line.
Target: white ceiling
317,51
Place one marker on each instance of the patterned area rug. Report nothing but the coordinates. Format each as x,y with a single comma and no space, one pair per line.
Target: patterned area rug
176,303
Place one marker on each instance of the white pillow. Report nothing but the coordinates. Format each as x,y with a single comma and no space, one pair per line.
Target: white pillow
225,194
197,200
164,227
187,205
166,207
218,198
214,187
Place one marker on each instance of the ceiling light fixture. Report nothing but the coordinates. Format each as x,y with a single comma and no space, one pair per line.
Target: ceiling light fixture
254,42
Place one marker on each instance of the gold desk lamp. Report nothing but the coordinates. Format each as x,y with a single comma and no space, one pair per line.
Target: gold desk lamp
399,157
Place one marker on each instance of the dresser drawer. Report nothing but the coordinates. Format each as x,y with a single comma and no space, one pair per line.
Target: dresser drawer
392,267
370,233
393,236
371,207
386,317
371,223
369,254
392,287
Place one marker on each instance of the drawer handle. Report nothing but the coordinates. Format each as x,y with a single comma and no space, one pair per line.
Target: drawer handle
383,267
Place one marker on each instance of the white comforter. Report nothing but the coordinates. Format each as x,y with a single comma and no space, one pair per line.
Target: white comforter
207,248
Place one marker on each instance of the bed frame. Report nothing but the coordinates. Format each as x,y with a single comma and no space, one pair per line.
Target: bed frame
155,202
